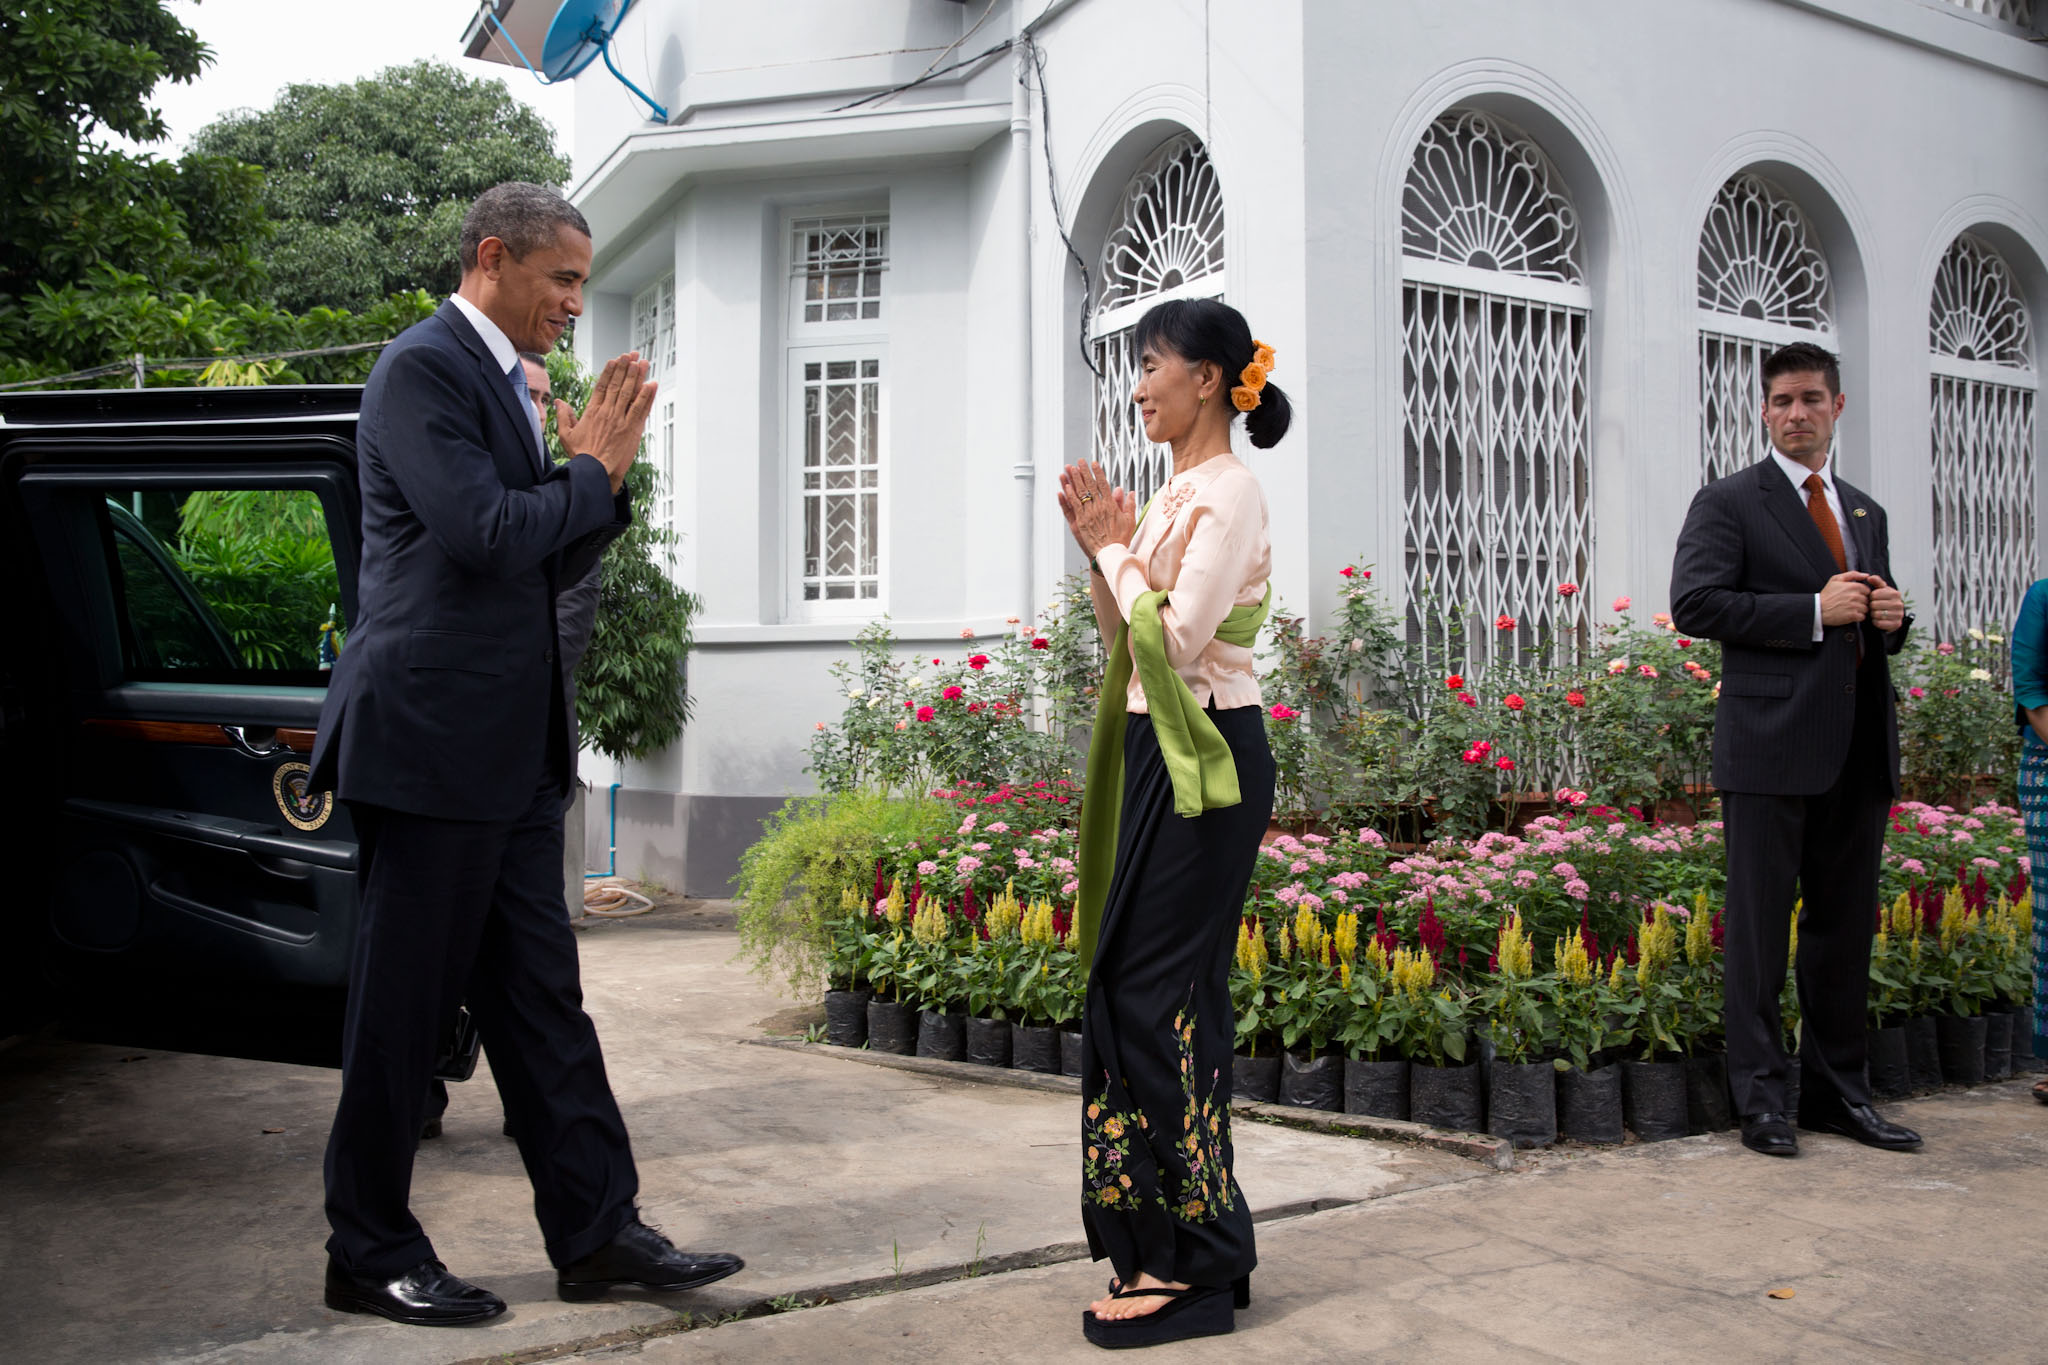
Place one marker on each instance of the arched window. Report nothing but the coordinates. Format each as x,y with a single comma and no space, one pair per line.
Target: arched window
1497,466
1165,243
1984,383
1763,283
2019,12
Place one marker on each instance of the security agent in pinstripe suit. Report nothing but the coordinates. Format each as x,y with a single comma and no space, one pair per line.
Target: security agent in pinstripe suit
1789,568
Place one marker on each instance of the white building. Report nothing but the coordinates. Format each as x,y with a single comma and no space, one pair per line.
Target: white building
1519,261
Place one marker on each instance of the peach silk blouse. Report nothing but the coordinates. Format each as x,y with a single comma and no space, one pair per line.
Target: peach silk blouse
1205,542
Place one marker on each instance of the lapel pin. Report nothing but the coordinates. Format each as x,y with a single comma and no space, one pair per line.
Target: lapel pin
1856,512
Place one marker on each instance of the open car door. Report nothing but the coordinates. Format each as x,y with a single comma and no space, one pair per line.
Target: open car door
181,571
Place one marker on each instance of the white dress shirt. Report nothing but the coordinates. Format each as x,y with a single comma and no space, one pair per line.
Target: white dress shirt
1798,474
503,352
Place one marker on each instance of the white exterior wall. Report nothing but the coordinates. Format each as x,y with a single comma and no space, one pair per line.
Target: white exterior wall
1894,123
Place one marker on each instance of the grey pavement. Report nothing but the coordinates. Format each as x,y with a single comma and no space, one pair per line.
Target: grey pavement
147,1214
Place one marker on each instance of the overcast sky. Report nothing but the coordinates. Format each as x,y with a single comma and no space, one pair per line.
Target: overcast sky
261,46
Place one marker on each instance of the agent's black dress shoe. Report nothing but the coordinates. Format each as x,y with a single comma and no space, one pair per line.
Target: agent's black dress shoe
1770,1133
642,1257
1863,1123
425,1296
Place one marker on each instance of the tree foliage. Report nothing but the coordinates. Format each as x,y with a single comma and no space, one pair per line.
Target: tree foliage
367,183
72,71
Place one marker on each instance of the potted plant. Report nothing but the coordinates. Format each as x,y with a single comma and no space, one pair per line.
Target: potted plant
1966,975
1589,1086
1304,1003
1653,1083
1521,1099
846,983
1443,1088
1375,1074
1888,1003
984,971
886,949
934,983
2008,946
1255,1065
1034,993
1702,1004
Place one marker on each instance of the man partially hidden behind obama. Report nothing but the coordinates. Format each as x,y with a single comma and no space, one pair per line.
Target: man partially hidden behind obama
448,734
1789,568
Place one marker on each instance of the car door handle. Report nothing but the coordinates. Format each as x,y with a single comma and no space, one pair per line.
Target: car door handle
253,741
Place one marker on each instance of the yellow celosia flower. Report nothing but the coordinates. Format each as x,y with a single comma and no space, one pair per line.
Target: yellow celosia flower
1376,955
1004,914
1656,945
1344,972
1514,951
1615,972
928,925
1308,933
892,904
1251,949
1286,944
1699,934
1573,965
1346,936
1037,925
849,899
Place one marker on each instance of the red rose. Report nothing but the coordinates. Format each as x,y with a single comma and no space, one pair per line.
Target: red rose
972,707
977,661
1468,699
950,694
1455,681
1567,589
1041,643
925,713
1685,644
1503,622
1284,712
1513,701
1575,698
1347,571
1505,764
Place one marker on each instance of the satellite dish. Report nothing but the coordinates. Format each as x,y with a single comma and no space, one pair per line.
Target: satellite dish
580,33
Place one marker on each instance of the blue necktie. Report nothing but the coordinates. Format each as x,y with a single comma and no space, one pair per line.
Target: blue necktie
517,374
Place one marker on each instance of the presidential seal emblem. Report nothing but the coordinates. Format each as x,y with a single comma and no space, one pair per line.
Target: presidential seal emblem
304,809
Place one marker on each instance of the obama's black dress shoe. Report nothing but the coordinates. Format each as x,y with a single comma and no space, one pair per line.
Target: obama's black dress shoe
641,1257
1770,1133
1863,1123
425,1296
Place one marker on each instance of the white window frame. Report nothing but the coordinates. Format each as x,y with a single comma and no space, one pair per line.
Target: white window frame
794,322
653,331
823,608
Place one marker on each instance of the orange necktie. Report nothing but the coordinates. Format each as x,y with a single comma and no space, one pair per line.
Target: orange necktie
1824,521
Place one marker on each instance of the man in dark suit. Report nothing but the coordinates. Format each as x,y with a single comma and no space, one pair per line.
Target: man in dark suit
1790,569
446,732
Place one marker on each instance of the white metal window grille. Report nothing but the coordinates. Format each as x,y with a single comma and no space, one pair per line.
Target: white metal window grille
842,478
1984,387
1763,283
654,337
2019,12
1167,243
838,264
1497,464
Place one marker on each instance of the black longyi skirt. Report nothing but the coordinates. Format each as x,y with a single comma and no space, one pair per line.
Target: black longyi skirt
1158,1194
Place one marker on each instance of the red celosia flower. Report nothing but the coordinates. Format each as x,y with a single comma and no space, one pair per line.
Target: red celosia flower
951,694
1575,698
1429,930
977,661
1455,681
1513,701
925,713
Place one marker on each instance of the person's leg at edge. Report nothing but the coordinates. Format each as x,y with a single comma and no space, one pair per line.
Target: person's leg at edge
1762,835
1844,840
424,885
526,993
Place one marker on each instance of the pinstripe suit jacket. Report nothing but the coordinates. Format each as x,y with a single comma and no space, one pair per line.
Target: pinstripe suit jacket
1748,564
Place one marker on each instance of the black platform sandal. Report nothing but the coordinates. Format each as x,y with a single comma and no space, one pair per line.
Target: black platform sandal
1197,1311
1240,1288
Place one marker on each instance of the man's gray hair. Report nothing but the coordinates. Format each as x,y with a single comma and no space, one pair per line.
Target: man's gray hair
536,357
525,217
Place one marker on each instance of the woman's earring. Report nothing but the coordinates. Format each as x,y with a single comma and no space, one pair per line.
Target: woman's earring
1201,402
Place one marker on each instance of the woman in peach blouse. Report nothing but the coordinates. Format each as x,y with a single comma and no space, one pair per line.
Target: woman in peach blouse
1180,787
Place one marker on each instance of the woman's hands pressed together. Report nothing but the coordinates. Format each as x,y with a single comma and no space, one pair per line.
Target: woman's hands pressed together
1096,513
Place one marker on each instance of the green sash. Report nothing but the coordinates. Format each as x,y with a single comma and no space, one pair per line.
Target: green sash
1197,759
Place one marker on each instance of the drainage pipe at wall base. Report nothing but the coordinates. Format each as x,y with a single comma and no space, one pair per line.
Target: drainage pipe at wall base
611,867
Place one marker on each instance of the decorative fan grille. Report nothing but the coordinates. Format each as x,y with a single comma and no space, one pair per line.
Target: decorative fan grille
1763,282
1983,435
2011,11
1480,194
1758,259
1168,240
1169,229
1977,313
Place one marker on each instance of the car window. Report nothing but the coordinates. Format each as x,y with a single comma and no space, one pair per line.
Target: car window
215,583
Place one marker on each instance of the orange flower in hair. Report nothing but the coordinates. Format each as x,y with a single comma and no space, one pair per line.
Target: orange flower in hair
1245,397
1253,376
1262,355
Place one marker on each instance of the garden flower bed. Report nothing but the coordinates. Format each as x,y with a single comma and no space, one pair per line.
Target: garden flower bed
1417,947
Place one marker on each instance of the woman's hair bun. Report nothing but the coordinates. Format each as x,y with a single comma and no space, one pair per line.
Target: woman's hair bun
1209,329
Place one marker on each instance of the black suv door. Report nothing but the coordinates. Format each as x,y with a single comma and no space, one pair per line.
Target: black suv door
181,568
